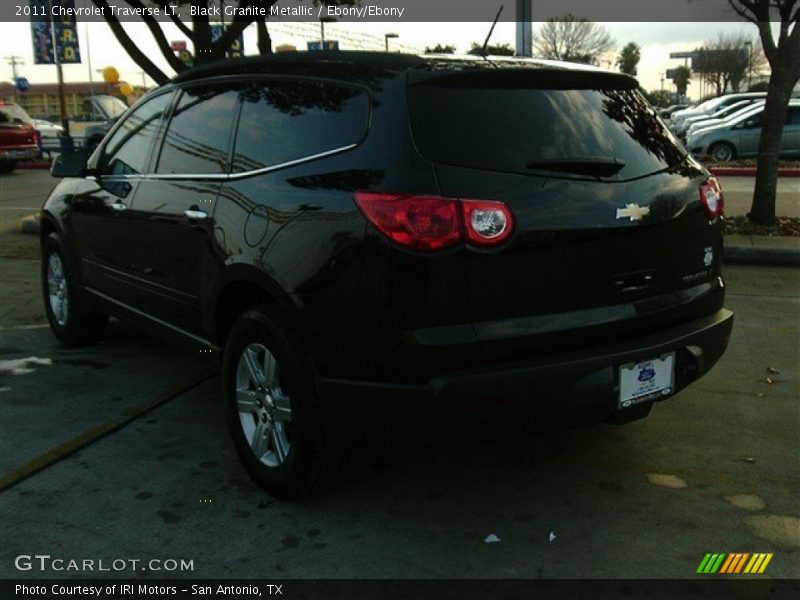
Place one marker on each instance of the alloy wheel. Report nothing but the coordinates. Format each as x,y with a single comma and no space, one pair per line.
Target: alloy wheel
265,411
58,293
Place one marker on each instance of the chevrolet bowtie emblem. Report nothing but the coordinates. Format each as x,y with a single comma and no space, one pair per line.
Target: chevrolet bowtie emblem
634,212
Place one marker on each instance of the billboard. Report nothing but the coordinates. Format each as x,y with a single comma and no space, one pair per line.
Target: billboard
61,30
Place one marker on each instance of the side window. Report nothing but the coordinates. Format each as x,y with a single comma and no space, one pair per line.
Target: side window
128,150
793,115
288,120
199,133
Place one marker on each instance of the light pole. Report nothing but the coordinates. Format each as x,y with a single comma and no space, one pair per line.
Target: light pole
322,22
387,36
749,45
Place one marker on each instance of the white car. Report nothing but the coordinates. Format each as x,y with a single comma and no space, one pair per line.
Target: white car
721,114
711,106
706,123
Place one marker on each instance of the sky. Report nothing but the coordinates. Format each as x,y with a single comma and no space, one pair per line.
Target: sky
656,40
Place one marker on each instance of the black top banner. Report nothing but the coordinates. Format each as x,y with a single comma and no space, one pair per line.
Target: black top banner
384,10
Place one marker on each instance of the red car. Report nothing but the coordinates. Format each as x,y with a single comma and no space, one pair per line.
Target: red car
19,139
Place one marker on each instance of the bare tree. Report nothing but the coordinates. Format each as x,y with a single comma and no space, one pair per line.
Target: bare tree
573,39
727,61
783,56
198,30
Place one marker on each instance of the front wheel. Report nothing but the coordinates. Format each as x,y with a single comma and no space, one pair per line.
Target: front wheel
273,407
6,166
722,152
72,318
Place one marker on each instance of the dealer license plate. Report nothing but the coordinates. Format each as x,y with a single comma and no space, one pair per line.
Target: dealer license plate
646,381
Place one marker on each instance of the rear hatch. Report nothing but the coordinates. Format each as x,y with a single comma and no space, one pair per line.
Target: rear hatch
610,237
16,127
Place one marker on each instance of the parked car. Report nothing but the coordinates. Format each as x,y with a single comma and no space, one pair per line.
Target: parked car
50,134
357,261
738,138
711,106
19,139
717,116
666,113
711,122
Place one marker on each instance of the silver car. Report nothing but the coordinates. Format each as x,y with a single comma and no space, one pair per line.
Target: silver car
719,116
739,137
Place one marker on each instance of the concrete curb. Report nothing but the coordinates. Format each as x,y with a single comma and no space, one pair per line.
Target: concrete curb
751,171
760,255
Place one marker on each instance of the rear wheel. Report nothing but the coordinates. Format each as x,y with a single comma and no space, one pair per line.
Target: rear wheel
722,152
73,319
273,407
6,166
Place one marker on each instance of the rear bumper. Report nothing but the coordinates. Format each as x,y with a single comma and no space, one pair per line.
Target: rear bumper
19,153
579,386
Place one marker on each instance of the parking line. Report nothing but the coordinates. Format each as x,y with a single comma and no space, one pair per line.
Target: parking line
97,433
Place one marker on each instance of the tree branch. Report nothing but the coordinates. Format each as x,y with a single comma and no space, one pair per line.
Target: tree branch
130,46
161,40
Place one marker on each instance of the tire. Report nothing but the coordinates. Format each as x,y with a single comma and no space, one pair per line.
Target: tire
7,166
722,151
73,318
278,429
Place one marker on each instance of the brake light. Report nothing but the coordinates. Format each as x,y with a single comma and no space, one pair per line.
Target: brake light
712,199
37,137
436,222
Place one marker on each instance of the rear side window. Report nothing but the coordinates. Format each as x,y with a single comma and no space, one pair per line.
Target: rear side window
283,121
198,137
506,126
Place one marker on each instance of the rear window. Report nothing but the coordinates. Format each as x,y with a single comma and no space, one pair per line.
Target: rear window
12,114
523,129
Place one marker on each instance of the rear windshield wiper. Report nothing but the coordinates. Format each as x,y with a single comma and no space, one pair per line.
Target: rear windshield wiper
593,166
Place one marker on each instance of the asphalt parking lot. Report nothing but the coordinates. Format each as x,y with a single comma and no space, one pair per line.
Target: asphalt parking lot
713,470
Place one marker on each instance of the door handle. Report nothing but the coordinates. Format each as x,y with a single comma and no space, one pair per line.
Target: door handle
195,215
119,206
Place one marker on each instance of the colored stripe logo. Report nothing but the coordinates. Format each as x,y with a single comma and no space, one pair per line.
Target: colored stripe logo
735,562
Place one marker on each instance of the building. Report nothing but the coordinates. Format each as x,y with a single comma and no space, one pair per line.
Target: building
41,100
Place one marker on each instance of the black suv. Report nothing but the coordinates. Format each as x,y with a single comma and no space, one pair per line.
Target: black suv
376,239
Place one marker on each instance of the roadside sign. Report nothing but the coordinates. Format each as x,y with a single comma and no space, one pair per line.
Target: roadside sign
672,73
326,45
43,28
237,47
22,84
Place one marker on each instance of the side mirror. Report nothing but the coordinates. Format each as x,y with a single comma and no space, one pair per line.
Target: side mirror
71,164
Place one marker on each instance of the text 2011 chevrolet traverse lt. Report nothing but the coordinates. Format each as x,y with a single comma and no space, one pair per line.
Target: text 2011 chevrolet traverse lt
372,238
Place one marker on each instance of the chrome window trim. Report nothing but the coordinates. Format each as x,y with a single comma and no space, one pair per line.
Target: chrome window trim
231,176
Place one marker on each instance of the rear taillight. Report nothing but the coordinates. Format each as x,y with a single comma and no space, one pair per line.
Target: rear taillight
712,199
37,137
435,222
